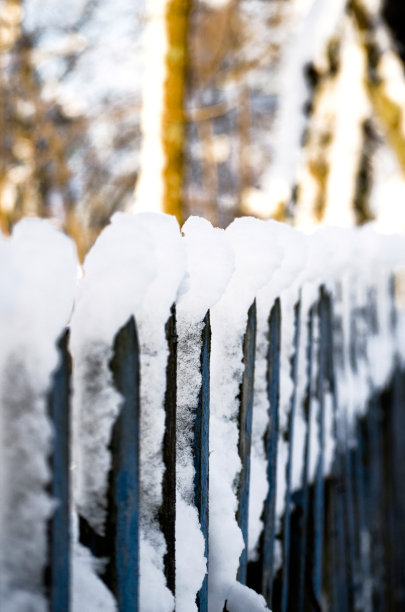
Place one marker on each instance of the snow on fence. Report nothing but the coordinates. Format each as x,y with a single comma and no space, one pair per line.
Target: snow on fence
219,428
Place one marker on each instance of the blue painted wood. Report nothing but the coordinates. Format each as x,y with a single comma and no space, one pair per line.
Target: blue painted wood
346,569
318,513
376,518
273,392
287,524
395,478
245,434
351,496
59,570
363,319
339,577
394,475
308,407
201,452
318,529
350,522
340,600
362,527
167,512
122,527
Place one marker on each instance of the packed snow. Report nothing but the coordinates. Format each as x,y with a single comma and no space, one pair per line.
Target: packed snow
37,275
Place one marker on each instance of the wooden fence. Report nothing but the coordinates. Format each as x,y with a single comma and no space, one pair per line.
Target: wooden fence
342,535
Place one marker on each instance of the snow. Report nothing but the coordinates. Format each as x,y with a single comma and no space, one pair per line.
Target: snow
210,264
88,591
387,191
391,71
191,564
241,598
38,276
311,25
354,108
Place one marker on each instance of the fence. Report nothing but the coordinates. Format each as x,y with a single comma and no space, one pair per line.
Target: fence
338,541
341,535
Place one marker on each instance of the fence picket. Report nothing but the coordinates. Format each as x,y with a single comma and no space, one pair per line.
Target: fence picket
122,572
308,407
201,452
273,392
245,434
167,512
58,571
349,479
375,517
339,576
120,544
396,477
318,507
363,533
287,514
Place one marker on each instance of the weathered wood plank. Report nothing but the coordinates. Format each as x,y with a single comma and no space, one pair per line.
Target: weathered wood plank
337,562
167,512
122,528
201,452
245,433
58,573
273,391
308,407
318,512
291,422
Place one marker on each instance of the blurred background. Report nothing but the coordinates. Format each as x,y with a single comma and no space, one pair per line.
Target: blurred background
285,109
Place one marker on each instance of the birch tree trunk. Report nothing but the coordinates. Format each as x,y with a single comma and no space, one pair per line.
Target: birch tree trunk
159,187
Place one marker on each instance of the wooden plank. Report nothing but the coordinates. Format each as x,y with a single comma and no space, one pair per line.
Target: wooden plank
376,517
351,515
58,572
395,479
245,434
347,570
122,526
273,391
167,512
318,513
201,452
120,543
350,521
394,470
337,562
291,422
363,531
308,407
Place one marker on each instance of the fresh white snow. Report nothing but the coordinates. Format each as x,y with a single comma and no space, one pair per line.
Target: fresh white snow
37,277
